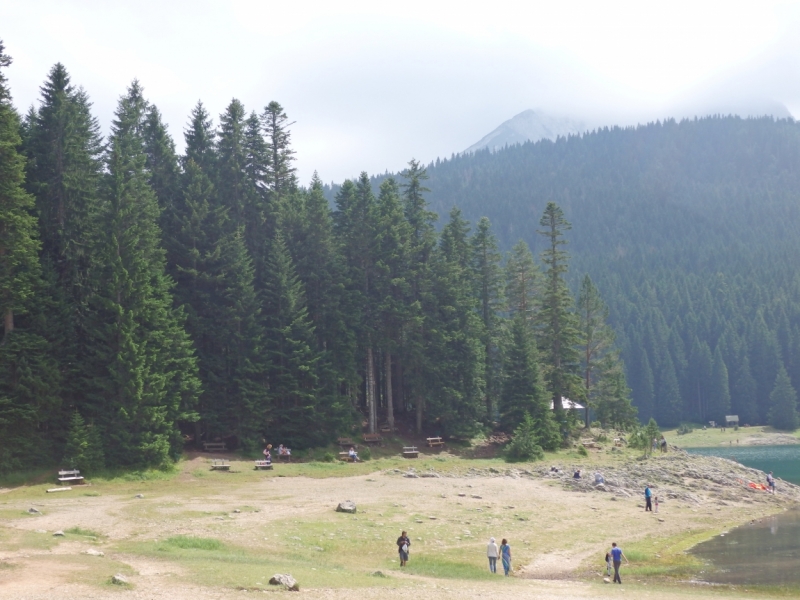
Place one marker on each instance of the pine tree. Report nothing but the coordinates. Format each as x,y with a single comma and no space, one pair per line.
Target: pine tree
144,374
488,278
292,362
557,323
63,146
83,450
392,281
523,391
421,246
19,263
596,337
783,410
523,281
612,401
280,177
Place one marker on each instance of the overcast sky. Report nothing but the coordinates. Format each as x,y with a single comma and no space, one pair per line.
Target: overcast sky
372,84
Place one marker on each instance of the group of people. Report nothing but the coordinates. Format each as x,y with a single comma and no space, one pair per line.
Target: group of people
281,450
660,444
493,552
649,499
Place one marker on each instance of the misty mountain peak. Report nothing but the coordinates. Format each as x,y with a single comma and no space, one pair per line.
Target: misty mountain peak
529,125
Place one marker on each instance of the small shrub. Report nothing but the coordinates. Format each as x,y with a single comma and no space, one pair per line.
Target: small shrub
596,425
83,532
602,438
524,445
328,457
684,429
365,453
582,451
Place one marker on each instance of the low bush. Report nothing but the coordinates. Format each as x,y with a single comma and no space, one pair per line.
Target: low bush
365,453
582,451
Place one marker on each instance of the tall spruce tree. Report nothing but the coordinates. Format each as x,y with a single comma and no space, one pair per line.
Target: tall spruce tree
595,336
719,401
144,378
63,146
292,362
557,323
488,277
523,281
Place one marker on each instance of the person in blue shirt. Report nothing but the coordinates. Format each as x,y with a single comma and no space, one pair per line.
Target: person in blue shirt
648,498
616,557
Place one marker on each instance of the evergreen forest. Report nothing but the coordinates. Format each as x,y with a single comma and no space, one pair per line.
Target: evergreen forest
152,299
690,231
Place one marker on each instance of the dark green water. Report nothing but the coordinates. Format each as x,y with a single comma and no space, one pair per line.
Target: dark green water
783,461
767,551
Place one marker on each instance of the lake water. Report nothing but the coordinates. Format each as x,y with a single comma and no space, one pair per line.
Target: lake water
783,461
766,552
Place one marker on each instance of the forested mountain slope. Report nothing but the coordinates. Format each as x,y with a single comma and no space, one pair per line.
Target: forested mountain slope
690,230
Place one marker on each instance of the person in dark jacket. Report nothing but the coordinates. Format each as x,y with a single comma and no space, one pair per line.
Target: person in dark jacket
403,545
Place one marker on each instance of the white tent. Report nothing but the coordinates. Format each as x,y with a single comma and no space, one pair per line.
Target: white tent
568,404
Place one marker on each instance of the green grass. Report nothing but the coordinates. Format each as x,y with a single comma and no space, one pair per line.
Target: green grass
700,438
186,542
83,532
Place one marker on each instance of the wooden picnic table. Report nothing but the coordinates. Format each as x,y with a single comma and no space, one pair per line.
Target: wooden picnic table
263,464
345,456
410,452
220,465
373,438
435,441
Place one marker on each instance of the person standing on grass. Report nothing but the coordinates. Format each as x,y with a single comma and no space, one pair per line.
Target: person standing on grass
616,557
505,554
771,482
648,499
403,545
492,553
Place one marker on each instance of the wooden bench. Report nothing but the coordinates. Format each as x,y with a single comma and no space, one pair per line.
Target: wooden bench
345,456
263,464
385,428
220,465
410,452
435,441
73,476
284,457
373,438
343,441
214,446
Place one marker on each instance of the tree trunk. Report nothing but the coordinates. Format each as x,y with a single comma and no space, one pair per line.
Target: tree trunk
388,376
8,323
420,408
370,391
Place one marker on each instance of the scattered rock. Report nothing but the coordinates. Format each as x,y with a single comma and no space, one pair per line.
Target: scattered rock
58,533
93,552
660,520
295,538
461,495
418,521
286,580
411,476
33,511
347,506
606,580
378,574
40,531
237,511
432,518
139,496
119,579
61,489
476,497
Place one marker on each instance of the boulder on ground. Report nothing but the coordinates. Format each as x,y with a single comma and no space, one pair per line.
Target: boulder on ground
119,579
58,533
347,506
93,552
33,511
286,580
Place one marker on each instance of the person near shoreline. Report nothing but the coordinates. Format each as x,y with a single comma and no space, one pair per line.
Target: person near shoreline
608,563
492,553
648,498
655,501
771,482
616,557
403,545
505,553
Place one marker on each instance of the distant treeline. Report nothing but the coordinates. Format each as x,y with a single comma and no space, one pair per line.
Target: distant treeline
691,231
148,296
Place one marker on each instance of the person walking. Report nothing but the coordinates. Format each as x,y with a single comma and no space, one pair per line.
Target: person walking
648,499
655,501
403,545
616,557
771,482
492,553
505,553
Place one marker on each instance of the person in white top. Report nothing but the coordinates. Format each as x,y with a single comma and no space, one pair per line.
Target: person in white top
492,553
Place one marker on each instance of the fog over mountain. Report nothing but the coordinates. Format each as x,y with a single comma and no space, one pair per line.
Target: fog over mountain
529,125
